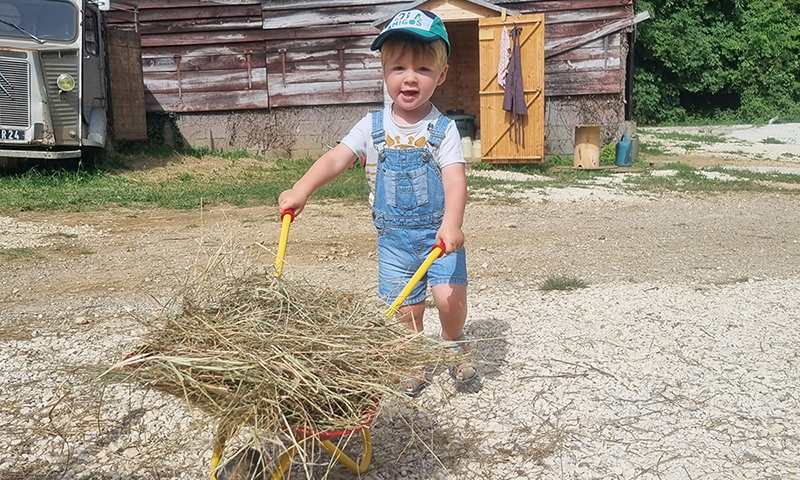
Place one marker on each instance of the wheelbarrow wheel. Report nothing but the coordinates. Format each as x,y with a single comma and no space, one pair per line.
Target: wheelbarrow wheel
246,465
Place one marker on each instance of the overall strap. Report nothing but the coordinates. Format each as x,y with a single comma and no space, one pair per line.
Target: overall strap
437,131
378,133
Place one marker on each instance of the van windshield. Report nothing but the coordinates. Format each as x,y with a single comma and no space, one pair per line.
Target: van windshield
38,19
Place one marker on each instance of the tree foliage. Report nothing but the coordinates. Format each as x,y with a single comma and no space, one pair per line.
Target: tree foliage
736,60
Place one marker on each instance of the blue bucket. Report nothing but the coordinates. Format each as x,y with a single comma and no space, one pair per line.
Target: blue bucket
624,153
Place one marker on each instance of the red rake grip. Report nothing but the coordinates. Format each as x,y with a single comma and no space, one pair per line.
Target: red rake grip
288,211
442,246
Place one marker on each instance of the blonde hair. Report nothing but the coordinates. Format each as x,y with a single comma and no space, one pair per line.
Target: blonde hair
400,43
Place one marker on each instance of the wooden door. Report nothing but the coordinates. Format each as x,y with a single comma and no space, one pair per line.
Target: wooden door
497,145
128,119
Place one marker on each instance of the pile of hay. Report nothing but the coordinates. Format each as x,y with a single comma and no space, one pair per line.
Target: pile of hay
279,355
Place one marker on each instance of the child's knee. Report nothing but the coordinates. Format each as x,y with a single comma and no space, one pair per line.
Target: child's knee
450,298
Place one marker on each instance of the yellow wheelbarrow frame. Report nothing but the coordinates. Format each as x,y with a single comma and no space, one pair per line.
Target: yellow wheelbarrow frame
300,437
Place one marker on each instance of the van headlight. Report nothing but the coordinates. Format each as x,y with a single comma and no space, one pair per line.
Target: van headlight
65,82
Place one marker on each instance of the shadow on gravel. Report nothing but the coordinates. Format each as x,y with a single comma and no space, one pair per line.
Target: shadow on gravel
489,349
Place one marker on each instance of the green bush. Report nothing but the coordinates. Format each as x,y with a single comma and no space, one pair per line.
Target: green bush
711,60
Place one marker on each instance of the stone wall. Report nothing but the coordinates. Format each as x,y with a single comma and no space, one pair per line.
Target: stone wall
563,114
294,132
298,132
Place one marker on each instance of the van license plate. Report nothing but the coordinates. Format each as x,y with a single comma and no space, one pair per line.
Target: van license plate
12,135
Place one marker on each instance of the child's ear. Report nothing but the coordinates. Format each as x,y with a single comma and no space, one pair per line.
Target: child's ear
443,75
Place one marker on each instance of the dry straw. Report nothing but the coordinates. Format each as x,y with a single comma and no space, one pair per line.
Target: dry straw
279,355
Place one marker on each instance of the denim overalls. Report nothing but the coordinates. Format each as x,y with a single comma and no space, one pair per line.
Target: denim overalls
407,210
408,185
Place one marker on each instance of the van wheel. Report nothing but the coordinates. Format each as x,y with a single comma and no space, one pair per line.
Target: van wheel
89,158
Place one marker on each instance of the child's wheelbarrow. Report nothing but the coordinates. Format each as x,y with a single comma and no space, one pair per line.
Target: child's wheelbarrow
250,463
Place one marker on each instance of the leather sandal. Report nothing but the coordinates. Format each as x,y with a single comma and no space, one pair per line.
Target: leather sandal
464,372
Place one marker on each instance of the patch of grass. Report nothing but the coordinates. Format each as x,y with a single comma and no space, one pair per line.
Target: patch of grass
772,141
689,179
787,178
690,146
18,253
608,155
481,166
557,281
99,188
788,155
677,136
652,148
63,235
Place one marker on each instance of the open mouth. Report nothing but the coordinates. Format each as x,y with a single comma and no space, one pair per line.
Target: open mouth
409,95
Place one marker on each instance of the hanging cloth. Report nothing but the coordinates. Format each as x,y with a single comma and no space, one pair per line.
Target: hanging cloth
514,98
505,57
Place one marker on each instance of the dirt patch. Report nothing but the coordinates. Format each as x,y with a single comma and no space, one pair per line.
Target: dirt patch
152,169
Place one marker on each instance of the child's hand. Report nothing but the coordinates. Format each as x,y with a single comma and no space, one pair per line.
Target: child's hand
452,237
292,199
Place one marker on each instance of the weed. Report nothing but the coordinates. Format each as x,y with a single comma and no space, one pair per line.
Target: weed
18,253
702,138
772,141
652,148
608,155
481,166
557,281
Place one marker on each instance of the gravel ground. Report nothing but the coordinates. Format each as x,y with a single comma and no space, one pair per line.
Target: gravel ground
776,142
679,361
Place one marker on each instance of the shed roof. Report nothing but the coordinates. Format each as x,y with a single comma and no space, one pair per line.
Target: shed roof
440,8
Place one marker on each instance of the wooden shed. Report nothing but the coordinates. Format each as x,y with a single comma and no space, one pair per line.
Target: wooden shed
291,77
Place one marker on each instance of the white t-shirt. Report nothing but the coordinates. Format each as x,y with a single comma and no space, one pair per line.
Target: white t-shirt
359,140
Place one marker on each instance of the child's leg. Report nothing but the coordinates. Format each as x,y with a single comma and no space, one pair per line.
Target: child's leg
411,315
451,301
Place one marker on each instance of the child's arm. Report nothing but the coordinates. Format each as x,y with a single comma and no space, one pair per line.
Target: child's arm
325,169
454,180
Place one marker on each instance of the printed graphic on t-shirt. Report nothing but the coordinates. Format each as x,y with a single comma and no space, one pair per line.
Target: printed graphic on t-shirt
394,142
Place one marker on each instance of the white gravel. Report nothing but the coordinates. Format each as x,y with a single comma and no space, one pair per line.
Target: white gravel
777,142
15,234
679,361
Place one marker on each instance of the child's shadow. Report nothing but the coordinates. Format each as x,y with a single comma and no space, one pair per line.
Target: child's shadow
488,349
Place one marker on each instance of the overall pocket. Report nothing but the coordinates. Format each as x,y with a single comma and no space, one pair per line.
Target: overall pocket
406,189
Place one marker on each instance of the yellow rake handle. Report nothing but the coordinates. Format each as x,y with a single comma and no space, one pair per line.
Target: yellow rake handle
287,218
436,252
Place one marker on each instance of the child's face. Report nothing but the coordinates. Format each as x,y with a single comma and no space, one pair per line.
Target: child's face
411,80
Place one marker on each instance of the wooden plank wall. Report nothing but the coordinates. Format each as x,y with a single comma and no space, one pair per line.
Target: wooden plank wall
199,56
318,53
126,92
597,67
248,54
460,90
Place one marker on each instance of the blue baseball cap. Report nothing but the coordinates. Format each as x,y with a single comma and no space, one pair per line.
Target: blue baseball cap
419,23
